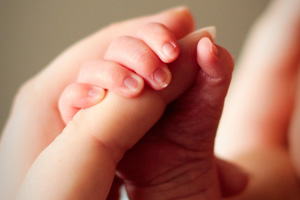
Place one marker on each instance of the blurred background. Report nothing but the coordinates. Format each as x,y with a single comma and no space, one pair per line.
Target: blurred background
34,32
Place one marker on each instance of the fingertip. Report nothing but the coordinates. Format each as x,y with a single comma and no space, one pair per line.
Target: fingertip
96,93
161,40
188,24
136,56
181,22
134,86
170,51
162,77
207,50
214,60
181,8
78,96
207,56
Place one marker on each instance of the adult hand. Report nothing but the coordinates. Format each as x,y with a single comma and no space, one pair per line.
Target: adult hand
258,113
175,158
35,120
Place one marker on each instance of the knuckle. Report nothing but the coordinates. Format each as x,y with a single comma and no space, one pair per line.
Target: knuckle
143,59
87,69
116,44
155,25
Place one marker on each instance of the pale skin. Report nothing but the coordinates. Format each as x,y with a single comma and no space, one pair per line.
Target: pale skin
260,126
259,147
93,146
34,120
216,65
264,114
113,141
41,98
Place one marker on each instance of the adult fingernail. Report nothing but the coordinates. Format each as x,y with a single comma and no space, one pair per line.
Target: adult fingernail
212,30
132,83
170,50
180,8
177,9
162,76
96,92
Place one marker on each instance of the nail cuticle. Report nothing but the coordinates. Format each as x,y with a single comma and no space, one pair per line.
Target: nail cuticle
162,77
131,83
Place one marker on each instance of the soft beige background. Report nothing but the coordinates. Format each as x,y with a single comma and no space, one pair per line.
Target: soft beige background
33,32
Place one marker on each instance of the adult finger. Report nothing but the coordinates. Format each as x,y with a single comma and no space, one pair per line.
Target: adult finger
271,175
260,101
294,136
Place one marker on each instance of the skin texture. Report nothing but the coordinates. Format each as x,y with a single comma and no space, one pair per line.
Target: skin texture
35,106
89,149
262,185
181,151
117,71
258,126
145,168
114,141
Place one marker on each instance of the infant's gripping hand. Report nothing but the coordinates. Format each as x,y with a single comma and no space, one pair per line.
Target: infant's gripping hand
113,126
75,160
121,122
134,117
128,62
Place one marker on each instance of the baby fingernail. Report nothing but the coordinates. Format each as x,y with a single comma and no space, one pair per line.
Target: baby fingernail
162,76
96,92
132,83
170,50
213,47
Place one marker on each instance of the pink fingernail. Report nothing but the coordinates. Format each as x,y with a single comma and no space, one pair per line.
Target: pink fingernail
213,47
162,76
96,92
131,83
169,49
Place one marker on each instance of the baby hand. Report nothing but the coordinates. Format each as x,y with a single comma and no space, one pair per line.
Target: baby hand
128,62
